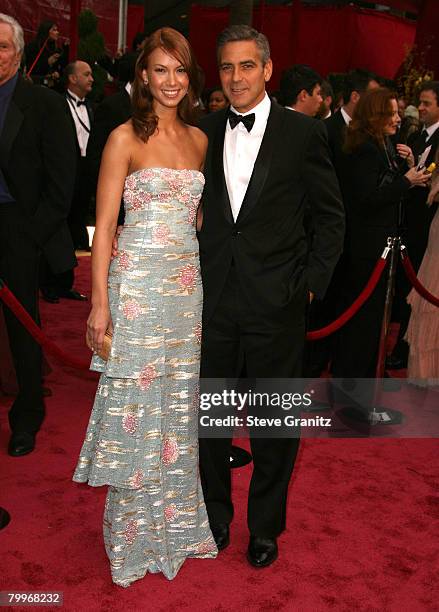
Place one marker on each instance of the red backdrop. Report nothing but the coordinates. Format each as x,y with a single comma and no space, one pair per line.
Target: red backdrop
30,12
328,39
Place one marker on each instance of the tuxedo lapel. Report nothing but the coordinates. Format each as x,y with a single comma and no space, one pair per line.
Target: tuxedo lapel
13,120
263,161
218,178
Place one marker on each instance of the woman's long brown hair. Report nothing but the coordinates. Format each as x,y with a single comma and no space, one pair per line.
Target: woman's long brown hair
371,115
143,118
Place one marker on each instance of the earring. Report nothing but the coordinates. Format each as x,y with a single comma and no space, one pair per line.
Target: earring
145,81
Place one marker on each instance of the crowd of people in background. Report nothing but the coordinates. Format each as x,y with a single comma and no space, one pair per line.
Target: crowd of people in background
380,145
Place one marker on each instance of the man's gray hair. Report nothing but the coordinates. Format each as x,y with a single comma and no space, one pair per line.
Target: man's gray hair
17,32
237,33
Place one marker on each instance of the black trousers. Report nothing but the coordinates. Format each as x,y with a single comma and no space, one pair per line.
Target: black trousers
236,332
19,261
79,209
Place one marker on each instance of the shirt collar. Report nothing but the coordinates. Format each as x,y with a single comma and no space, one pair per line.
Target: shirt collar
346,117
7,88
261,111
74,96
431,130
128,88
290,108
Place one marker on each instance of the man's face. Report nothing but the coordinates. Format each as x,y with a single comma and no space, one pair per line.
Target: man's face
9,58
242,74
312,103
82,79
428,108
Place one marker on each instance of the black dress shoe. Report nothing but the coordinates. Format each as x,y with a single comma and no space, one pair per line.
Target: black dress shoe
221,535
262,552
21,443
72,294
396,363
50,295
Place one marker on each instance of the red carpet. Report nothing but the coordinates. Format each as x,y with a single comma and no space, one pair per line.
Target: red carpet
363,522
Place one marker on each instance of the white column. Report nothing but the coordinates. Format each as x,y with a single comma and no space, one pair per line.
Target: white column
122,33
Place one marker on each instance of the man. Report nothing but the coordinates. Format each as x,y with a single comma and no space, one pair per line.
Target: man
262,162
37,163
327,93
417,214
356,83
112,112
300,88
79,80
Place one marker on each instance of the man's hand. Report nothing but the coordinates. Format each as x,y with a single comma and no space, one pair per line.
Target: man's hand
114,251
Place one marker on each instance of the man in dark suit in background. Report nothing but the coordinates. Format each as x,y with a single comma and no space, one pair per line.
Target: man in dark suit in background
417,215
258,277
112,112
79,82
37,163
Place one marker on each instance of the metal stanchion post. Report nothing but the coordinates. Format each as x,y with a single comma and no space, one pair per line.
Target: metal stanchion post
367,409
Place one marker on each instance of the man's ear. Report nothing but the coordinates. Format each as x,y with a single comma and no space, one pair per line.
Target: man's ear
268,70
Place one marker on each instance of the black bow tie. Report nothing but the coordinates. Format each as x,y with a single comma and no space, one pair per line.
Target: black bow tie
78,102
247,120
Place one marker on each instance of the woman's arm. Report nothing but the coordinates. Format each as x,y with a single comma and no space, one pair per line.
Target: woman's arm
114,169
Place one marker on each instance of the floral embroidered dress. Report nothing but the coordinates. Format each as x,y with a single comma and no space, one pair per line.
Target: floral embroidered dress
142,435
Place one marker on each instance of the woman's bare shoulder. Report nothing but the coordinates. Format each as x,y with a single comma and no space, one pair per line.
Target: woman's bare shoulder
122,135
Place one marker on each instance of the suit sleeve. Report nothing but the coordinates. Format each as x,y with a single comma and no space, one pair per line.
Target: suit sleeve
104,123
324,196
58,157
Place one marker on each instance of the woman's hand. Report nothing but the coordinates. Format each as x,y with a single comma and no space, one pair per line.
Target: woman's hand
418,178
53,59
99,321
115,243
406,153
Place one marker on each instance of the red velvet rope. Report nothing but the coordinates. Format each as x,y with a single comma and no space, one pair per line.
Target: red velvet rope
354,307
23,316
25,319
411,275
29,72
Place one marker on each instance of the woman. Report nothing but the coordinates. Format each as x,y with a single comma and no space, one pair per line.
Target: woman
374,183
142,435
217,100
423,329
52,60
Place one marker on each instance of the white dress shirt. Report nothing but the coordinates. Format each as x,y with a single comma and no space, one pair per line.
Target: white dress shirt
79,113
241,149
431,130
345,116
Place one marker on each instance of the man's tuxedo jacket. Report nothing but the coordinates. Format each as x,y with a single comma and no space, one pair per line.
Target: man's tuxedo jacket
268,243
37,158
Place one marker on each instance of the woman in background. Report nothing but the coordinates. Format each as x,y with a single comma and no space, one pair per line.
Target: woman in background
217,100
423,329
52,59
373,184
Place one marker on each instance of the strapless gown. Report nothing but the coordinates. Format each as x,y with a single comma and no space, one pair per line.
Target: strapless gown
423,329
142,435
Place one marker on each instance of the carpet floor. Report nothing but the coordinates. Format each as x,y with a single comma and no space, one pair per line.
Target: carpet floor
363,518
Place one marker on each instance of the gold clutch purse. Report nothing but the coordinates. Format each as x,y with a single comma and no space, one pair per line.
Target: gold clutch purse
104,353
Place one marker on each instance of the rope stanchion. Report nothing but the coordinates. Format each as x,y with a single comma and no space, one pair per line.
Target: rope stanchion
356,305
26,320
411,275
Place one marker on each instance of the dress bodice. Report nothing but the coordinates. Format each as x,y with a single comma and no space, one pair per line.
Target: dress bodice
163,186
